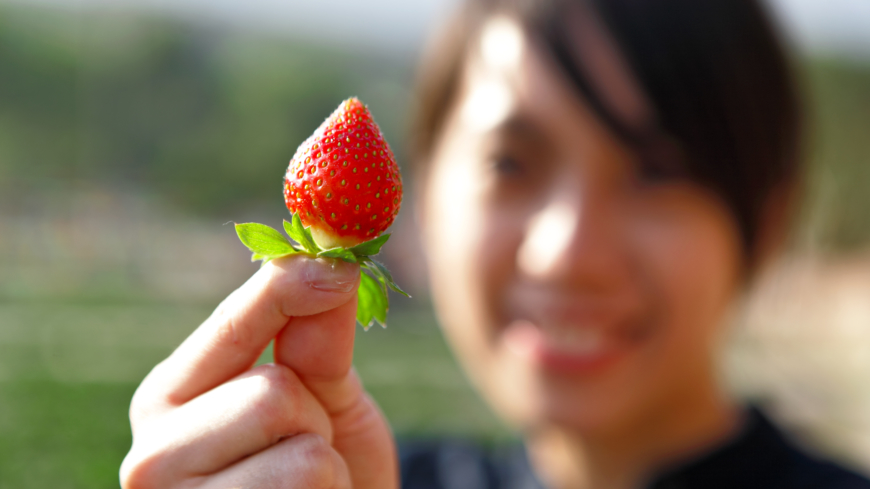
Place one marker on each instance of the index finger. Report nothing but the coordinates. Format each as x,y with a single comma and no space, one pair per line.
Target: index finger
234,336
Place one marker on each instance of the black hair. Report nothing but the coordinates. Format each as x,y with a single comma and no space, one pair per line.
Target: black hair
726,106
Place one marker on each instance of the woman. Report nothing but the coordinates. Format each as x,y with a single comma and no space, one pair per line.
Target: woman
600,181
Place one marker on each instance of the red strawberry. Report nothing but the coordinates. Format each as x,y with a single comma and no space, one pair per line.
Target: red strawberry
343,181
344,189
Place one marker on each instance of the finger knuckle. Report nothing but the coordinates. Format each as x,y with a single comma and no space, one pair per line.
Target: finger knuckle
359,417
140,471
139,407
278,397
323,464
228,330
149,399
278,379
223,323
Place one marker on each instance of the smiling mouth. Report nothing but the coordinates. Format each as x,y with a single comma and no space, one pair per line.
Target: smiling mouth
568,332
563,346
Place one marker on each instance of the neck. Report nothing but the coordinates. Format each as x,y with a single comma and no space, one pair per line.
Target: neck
628,456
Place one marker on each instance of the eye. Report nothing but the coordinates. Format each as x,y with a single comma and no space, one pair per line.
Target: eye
651,173
508,166
660,164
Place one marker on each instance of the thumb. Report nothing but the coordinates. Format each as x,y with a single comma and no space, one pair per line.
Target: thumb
319,349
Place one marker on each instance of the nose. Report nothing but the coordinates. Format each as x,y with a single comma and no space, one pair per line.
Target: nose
573,239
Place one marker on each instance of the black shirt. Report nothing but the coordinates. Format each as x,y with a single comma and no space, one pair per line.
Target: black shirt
760,457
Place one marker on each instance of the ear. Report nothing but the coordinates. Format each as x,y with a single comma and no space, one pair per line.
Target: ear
776,223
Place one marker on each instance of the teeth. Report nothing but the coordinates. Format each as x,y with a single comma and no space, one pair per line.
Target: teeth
585,340
573,339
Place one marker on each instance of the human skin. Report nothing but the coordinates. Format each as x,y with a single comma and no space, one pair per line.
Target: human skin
584,299
203,418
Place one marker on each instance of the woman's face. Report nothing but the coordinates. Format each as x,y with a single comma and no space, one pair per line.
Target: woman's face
576,290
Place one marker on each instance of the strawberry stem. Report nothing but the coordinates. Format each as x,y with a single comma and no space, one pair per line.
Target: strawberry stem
267,243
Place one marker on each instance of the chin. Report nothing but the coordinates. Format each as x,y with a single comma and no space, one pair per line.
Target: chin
563,403
579,409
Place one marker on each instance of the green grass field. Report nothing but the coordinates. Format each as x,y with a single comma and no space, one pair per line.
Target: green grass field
68,371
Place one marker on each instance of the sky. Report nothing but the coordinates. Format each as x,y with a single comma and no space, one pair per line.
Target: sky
400,26
827,25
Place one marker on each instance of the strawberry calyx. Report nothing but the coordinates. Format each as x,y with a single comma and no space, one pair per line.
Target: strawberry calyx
267,243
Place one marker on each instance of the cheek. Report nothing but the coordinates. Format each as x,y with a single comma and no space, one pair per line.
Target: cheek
469,247
690,260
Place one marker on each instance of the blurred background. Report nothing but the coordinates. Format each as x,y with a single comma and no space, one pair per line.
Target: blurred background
132,131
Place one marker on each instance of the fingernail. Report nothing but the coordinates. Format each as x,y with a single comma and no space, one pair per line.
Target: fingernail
330,275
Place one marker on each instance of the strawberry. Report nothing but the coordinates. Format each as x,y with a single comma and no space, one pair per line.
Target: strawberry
343,181
343,190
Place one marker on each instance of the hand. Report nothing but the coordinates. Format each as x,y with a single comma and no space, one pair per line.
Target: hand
203,418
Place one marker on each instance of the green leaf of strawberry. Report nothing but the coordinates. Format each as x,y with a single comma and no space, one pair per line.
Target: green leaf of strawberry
264,241
371,247
372,302
343,189
340,253
381,271
267,244
300,234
